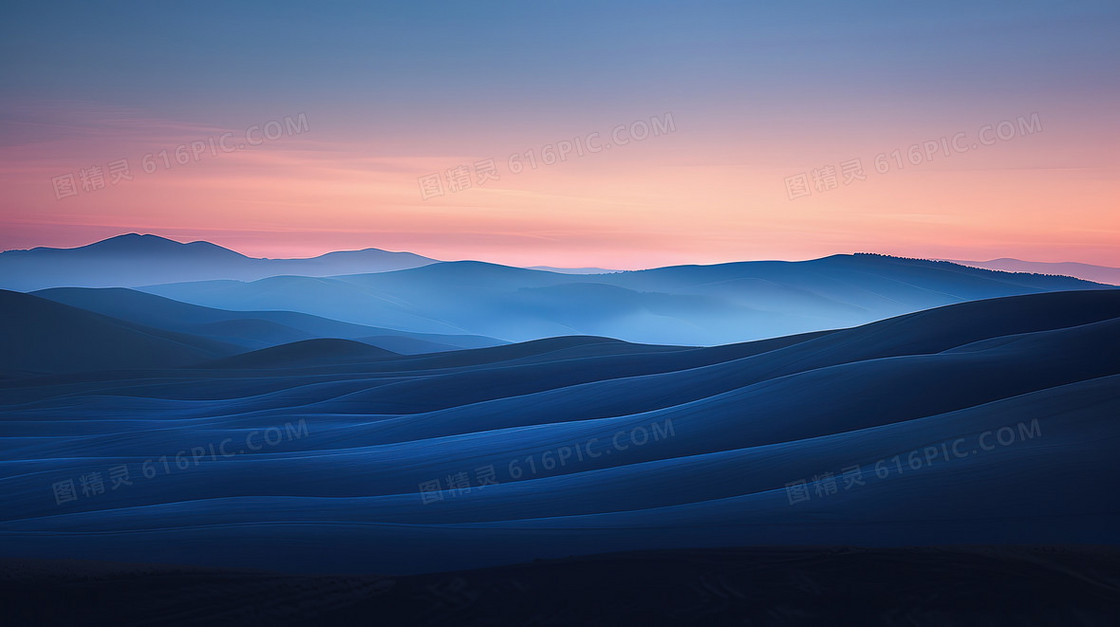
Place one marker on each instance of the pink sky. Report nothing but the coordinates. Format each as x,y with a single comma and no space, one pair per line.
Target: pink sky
705,193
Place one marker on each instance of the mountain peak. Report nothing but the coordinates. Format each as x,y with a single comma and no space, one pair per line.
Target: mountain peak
132,239
134,259
148,244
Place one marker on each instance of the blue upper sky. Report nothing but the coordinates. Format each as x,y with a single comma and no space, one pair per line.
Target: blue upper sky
759,92
402,60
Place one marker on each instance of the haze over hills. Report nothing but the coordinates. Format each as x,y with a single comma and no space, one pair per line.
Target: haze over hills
1098,274
990,421
131,260
688,305
432,306
573,270
248,329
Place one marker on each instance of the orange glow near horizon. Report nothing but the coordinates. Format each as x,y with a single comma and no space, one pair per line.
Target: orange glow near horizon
690,196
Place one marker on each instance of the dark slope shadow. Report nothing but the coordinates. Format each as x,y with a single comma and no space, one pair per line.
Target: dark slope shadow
250,329
40,335
305,353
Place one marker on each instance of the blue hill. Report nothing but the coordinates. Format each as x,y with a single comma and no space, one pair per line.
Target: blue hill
134,259
684,305
985,422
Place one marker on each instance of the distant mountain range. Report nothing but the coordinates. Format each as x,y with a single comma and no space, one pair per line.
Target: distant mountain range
132,260
688,305
407,303
1098,274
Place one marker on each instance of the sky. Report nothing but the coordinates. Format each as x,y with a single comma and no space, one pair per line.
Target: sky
610,134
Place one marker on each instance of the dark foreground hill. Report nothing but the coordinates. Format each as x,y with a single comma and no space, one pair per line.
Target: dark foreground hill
988,422
911,587
39,335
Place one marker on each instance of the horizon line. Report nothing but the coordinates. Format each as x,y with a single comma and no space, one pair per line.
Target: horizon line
542,266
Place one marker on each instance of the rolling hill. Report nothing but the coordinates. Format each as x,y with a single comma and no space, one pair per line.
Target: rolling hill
983,422
249,329
686,305
38,335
